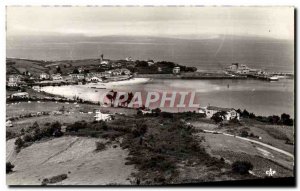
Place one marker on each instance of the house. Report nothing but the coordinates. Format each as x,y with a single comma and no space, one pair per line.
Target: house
12,84
238,68
44,76
95,79
176,70
56,77
77,76
102,116
125,71
150,62
128,58
68,78
36,88
14,80
9,123
20,95
229,113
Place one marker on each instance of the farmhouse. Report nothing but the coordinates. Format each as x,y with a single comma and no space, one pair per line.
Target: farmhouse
229,113
44,76
36,88
176,70
14,80
101,116
95,79
56,77
77,76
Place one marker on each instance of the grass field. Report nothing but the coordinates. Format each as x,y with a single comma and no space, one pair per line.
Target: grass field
74,156
71,115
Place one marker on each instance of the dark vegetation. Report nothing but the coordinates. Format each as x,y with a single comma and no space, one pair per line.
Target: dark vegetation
100,146
162,67
242,167
54,179
284,119
9,167
35,133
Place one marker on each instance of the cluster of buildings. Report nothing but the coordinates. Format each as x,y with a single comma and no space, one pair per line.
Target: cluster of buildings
237,68
228,113
115,74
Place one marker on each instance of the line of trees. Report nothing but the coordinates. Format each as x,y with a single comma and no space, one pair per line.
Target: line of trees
284,119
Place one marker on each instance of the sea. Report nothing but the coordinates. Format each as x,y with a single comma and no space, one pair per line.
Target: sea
260,97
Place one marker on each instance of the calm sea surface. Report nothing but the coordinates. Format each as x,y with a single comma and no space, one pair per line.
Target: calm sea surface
260,97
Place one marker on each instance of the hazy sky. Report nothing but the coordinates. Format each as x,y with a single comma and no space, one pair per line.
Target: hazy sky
274,22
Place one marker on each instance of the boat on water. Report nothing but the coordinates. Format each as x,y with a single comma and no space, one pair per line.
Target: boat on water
273,78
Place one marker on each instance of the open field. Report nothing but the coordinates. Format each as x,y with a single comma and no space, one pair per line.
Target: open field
275,135
71,114
74,156
231,149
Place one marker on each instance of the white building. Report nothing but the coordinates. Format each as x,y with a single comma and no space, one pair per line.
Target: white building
9,123
56,77
229,113
13,80
102,116
238,68
20,95
77,76
44,76
95,79
176,70
36,88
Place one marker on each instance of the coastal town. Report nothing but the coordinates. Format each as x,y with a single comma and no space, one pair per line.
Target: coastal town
106,70
150,96
28,107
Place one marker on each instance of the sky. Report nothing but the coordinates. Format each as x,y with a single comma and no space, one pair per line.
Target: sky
185,22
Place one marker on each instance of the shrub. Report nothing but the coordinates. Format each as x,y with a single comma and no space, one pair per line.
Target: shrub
217,117
100,146
244,134
9,167
19,143
28,138
242,167
54,179
76,126
10,135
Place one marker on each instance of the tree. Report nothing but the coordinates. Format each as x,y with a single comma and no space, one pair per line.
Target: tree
19,143
9,167
244,134
217,117
28,138
156,111
274,119
35,125
245,114
75,71
286,120
58,69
